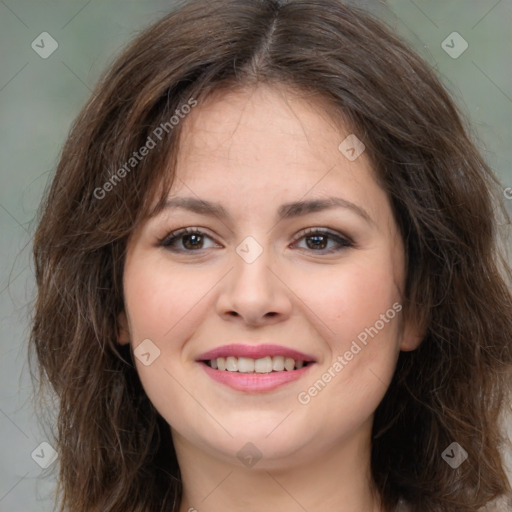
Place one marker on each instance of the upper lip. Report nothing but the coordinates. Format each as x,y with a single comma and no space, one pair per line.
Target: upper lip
254,352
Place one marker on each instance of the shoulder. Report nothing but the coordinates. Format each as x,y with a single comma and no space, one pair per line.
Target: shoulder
502,504
402,506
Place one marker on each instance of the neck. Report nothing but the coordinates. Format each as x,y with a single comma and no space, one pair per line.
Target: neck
337,479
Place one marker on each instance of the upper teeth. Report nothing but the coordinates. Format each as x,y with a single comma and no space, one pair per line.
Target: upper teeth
249,365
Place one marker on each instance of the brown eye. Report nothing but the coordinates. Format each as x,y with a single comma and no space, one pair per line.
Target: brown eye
185,240
318,240
193,240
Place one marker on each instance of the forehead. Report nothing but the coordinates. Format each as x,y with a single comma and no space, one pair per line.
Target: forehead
270,142
230,124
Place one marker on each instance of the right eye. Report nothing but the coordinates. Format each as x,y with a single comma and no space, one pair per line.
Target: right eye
185,240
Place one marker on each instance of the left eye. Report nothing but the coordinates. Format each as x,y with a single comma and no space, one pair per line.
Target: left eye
317,240
192,239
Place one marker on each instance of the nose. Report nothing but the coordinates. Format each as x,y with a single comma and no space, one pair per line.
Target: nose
253,293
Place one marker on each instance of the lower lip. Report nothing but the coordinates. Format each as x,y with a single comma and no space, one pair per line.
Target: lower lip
255,382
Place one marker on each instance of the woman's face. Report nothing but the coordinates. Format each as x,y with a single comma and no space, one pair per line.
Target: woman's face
298,259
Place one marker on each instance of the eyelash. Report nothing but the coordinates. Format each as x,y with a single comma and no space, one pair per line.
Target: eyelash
342,241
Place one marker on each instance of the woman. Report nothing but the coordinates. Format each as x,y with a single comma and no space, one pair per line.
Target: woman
269,277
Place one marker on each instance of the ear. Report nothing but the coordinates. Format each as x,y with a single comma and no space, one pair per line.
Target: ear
123,337
412,336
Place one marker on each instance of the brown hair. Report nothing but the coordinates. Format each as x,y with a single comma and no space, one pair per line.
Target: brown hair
115,450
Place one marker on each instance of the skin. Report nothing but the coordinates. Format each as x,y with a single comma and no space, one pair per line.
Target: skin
251,151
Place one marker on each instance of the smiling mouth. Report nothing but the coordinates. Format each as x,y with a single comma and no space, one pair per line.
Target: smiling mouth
263,365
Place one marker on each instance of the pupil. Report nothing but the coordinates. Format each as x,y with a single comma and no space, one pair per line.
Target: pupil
195,237
317,237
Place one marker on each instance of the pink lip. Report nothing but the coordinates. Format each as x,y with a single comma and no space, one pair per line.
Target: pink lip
254,382
254,352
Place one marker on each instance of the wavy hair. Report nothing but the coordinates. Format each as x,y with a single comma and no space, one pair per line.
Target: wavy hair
115,450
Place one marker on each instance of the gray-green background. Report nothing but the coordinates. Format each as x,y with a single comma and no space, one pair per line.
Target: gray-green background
39,98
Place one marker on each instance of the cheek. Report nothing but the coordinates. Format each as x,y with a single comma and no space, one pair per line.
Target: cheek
345,299
158,298
357,310
166,306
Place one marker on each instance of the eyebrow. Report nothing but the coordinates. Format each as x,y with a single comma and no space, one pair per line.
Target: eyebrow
285,211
